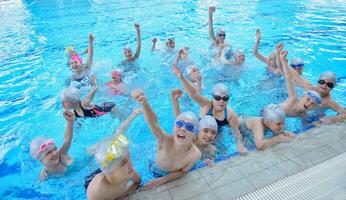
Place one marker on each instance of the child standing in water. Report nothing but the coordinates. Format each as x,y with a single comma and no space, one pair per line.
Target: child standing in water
176,154
55,161
128,64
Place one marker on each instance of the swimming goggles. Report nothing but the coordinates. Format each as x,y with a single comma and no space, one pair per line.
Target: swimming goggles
44,147
329,84
115,150
295,66
188,126
218,98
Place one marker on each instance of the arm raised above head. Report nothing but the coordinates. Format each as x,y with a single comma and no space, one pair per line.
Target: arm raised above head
258,55
69,116
90,51
290,87
211,23
139,43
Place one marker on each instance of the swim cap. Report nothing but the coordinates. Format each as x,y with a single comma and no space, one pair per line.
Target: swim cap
315,96
117,72
328,75
111,152
40,146
76,57
208,121
191,117
71,94
69,50
273,112
220,89
297,62
238,52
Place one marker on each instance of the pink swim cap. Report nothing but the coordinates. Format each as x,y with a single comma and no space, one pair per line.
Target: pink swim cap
76,57
116,73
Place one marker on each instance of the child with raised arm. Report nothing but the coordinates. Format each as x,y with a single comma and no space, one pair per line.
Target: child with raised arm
55,161
71,99
217,107
128,51
113,156
207,130
80,71
176,154
267,129
294,107
170,45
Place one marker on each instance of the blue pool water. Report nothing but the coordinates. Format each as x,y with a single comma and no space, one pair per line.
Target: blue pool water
33,71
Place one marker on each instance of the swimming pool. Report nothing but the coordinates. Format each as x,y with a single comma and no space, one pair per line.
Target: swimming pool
33,70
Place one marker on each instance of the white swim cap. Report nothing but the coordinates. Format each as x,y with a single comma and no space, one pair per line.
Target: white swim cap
110,153
315,96
71,94
220,89
273,112
208,121
40,146
328,75
238,52
191,117
296,62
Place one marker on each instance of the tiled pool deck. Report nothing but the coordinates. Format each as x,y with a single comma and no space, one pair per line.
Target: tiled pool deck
240,175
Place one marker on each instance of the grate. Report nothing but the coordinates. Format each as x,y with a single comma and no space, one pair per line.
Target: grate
326,180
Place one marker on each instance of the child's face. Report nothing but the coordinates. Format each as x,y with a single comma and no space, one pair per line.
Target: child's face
220,104
76,66
324,89
271,60
52,157
240,59
181,133
307,103
276,126
124,170
221,35
207,135
170,43
128,53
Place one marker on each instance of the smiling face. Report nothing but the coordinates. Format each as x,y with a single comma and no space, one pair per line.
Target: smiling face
322,87
272,60
124,170
221,36
181,133
240,59
207,135
219,102
306,103
76,66
127,53
51,157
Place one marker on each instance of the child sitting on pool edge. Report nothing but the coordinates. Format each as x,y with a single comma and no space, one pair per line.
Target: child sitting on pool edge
176,154
55,162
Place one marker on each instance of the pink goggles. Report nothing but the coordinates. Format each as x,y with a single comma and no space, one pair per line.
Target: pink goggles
76,57
44,147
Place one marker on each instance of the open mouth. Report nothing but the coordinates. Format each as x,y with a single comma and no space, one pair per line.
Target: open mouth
206,139
181,136
305,107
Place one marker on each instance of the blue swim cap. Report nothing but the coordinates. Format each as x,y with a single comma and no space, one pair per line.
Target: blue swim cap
314,96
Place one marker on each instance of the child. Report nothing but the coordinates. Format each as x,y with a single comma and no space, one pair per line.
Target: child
272,120
84,108
298,65
70,51
176,154
217,107
113,156
82,71
116,85
239,58
128,51
55,161
294,107
207,130
170,44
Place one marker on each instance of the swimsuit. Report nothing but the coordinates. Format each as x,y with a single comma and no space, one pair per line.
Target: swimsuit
220,123
114,91
97,110
90,177
155,170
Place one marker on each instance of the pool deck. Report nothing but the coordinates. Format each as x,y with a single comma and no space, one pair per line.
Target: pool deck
240,175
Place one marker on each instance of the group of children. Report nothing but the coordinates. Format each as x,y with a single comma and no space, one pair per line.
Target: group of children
193,137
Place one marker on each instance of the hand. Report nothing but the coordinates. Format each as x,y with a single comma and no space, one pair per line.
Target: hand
258,35
69,116
176,94
325,120
241,149
137,111
283,55
289,134
177,71
279,47
137,27
91,38
151,184
284,138
154,40
139,96
212,9
93,81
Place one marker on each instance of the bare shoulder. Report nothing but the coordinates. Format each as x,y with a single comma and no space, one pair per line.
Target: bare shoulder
98,188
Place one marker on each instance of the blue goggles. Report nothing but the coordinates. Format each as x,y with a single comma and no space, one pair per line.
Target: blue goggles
297,66
188,126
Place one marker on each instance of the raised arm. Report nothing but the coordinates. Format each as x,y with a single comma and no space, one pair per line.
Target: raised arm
87,101
138,50
69,116
149,115
191,90
125,124
90,51
153,47
255,48
299,80
279,47
290,87
175,95
211,27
